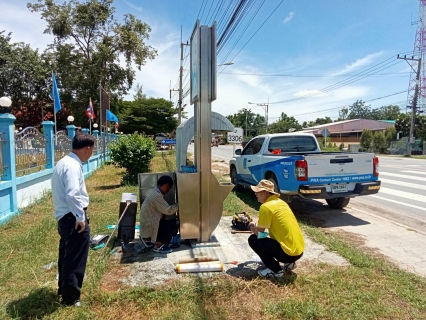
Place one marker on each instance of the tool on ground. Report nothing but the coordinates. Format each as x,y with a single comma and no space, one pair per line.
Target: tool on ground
98,239
241,221
128,202
202,259
199,267
240,231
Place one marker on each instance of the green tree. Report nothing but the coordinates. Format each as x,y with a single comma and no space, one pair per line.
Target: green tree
91,47
343,114
402,124
245,118
359,110
283,124
149,116
390,135
308,124
325,120
366,140
23,77
379,142
390,112
133,152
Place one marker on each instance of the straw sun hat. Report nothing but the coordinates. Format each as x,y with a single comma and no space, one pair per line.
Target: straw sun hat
264,185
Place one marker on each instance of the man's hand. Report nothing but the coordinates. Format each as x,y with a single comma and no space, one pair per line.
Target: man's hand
253,227
82,226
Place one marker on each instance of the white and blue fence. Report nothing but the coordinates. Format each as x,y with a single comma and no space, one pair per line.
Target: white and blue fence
27,160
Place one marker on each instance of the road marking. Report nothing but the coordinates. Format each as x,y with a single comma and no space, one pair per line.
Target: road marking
403,176
402,183
415,172
403,194
397,202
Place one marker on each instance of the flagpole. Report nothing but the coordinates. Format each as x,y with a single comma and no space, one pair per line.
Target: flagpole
90,126
54,115
56,130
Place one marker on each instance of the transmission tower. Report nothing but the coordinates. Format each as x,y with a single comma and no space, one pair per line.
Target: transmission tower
420,53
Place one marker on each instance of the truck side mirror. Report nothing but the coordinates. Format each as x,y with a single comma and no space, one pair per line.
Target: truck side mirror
238,152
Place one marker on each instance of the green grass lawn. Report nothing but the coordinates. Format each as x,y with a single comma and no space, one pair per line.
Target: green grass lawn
370,288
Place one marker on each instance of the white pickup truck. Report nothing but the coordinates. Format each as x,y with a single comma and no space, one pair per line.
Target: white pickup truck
297,167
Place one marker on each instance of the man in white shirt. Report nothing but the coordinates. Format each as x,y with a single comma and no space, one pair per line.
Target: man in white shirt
70,200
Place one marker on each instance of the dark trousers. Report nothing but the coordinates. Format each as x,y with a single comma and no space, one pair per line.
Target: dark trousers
270,252
73,252
166,230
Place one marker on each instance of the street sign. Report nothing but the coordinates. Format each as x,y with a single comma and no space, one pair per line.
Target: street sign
236,136
168,141
325,132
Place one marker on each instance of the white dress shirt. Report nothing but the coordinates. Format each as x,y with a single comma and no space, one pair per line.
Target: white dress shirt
68,188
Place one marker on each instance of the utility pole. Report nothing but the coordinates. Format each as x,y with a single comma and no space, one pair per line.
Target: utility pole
410,140
265,106
246,125
180,79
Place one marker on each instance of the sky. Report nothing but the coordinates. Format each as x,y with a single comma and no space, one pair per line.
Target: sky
300,57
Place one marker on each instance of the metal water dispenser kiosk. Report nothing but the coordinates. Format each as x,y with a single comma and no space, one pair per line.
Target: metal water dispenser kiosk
200,194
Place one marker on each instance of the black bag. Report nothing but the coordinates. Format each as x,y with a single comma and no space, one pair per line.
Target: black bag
241,221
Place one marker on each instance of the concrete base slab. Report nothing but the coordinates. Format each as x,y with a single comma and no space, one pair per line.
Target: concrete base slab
232,250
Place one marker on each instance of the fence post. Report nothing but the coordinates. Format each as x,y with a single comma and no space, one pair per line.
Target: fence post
85,130
71,131
50,149
103,142
7,130
96,135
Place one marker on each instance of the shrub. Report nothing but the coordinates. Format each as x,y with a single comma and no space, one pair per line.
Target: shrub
379,142
134,153
366,140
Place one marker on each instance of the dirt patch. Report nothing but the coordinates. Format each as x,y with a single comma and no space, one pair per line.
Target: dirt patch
112,280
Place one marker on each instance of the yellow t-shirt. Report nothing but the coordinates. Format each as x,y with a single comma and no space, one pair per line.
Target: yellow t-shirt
276,216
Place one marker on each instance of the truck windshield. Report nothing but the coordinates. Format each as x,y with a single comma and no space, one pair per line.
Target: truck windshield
284,144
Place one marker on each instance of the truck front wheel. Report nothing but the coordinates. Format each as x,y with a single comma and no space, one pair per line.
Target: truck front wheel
234,179
337,203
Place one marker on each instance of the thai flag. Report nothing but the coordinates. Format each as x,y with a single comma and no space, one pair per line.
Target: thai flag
89,111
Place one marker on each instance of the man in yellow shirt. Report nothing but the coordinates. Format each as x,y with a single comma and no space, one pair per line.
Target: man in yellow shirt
285,242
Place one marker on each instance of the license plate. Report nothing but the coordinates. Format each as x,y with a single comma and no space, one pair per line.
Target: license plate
337,188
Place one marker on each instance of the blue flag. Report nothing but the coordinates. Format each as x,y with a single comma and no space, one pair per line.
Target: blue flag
111,117
55,95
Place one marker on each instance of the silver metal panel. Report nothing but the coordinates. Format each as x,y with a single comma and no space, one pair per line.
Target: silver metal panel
218,193
148,181
186,131
204,117
189,206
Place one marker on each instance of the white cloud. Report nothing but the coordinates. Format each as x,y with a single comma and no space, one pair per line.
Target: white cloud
289,17
368,59
131,5
313,93
25,25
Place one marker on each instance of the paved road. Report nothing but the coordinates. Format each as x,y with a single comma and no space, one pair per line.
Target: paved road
402,197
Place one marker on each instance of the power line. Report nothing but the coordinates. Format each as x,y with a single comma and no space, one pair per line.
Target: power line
301,75
256,32
345,82
337,108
